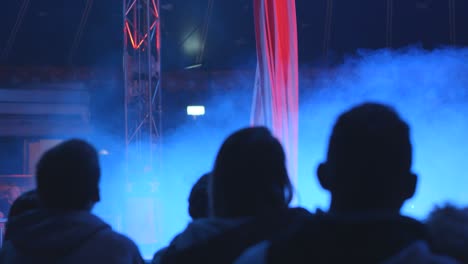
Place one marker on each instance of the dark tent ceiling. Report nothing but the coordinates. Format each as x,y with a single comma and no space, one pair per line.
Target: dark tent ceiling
44,33
48,30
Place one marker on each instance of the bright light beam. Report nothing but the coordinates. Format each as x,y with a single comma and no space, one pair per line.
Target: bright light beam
195,110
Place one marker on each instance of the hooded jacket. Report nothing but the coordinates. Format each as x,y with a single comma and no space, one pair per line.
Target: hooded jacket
228,242
347,239
198,231
65,237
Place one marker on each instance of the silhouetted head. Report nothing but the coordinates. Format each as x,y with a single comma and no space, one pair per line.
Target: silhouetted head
198,199
249,175
368,166
448,228
26,202
68,176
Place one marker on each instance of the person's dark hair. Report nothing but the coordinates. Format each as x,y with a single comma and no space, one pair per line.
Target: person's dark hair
68,176
26,202
369,158
198,199
249,175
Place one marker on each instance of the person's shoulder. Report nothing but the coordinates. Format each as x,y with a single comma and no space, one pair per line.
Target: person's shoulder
158,255
296,218
300,212
419,252
115,240
256,254
201,230
120,244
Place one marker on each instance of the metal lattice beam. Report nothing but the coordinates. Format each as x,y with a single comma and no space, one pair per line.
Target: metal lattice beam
14,31
142,71
81,27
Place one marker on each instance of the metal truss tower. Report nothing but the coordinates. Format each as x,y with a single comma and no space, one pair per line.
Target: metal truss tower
142,73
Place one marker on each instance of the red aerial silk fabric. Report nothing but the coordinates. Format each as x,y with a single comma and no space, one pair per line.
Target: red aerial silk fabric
276,99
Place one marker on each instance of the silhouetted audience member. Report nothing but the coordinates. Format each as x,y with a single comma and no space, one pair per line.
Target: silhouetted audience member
7,198
25,203
448,227
249,194
368,173
63,230
448,230
198,209
4,208
198,198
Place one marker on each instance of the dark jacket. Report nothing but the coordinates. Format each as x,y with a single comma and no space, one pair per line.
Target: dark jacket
66,237
228,245
198,232
360,239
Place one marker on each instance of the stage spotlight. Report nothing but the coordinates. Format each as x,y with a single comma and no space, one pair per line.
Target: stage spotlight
195,110
104,152
195,66
192,45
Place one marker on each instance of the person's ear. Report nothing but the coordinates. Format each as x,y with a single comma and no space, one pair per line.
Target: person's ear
324,176
96,196
410,186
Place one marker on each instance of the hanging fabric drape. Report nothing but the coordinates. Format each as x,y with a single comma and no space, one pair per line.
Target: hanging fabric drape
275,102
